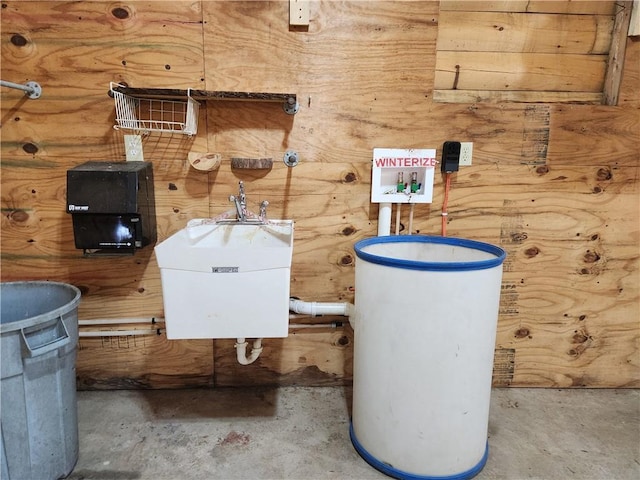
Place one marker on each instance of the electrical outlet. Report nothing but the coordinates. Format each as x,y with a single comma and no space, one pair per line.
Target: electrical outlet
133,148
299,12
466,153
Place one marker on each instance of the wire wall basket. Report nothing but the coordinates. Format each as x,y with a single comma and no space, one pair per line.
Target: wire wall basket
155,115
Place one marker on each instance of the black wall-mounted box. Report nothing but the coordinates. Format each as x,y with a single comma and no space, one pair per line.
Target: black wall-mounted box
450,157
112,205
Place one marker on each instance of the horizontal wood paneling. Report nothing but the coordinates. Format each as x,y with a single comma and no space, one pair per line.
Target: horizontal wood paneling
79,48
520,96
345,44
555,185
535,47
520,71
535,6
524,32
143,361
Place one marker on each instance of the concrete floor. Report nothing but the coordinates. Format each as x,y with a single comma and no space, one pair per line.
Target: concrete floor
302,433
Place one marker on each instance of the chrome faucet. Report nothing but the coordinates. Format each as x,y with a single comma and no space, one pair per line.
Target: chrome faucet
242,214
240,202
243,198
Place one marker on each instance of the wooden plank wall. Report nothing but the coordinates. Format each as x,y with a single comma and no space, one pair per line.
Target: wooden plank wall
556,185
523,51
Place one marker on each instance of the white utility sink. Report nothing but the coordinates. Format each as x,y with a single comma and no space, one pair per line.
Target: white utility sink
227,279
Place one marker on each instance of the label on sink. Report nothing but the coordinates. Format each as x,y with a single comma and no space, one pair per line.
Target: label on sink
224,269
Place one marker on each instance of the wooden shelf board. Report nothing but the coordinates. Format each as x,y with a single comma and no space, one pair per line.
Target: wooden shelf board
204,95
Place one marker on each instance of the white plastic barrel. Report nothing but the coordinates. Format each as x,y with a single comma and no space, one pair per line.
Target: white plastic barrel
426,310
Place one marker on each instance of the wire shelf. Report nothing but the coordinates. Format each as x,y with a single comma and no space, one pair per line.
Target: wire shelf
155,115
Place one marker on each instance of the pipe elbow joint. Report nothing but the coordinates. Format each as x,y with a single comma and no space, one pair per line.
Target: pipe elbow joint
241,351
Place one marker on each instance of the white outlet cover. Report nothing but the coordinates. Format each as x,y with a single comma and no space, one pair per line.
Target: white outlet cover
466,153
133,148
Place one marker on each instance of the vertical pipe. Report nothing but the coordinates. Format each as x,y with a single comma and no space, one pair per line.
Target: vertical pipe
411,218
384,220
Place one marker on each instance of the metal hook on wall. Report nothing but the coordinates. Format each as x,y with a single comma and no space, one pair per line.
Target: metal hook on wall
32,89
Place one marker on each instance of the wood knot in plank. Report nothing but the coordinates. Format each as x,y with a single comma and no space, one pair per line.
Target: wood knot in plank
604,174
18,216
581,336
31,148
591,257
532,252
18,40
346,260
120,13
350,177
582,340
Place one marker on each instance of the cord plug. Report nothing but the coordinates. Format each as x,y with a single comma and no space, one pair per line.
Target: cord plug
450,157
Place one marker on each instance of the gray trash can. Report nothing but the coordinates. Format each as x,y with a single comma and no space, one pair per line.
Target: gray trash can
39,329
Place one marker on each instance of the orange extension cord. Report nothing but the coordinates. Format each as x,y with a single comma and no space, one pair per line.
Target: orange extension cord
447,187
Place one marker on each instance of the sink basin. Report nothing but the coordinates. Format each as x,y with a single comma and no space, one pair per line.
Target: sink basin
203,246
227,279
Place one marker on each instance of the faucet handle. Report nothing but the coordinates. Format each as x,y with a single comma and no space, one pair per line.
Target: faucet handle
263,210
241,191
